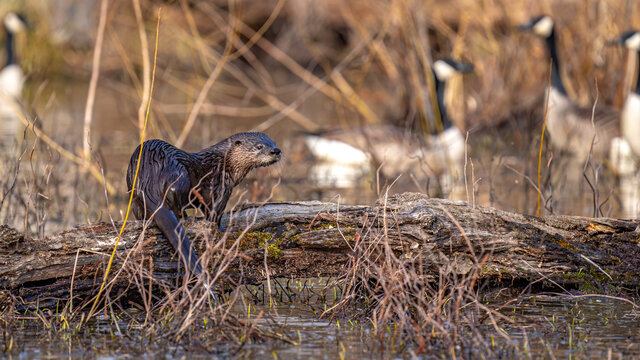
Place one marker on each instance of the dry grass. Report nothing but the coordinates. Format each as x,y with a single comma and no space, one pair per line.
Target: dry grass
409,306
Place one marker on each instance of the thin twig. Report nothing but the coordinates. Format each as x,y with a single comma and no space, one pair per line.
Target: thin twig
544,126
93,83
146,65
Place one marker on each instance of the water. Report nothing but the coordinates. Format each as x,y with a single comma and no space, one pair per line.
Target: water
299,313
567,327
578,327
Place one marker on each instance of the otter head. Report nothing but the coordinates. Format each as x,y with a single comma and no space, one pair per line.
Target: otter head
253,150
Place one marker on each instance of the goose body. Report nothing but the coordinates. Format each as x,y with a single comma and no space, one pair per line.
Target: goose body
345,155
631,122
624,159
339,164
12,81
572,131
390,146
625,150
570,126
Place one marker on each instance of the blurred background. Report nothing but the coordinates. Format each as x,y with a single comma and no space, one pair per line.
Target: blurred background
291,68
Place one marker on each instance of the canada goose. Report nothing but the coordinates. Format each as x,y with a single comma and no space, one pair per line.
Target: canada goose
11,76
346,154
625,150
569,125
11,79
630,117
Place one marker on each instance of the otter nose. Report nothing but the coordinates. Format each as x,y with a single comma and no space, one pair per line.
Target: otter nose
275,151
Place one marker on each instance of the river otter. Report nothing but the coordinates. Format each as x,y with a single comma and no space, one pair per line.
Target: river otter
171,180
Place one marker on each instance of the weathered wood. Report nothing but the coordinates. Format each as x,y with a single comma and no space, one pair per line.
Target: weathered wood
310,239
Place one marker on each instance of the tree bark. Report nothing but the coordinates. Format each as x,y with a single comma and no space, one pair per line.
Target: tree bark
314,239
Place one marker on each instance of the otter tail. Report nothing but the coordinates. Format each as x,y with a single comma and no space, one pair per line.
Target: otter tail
171,228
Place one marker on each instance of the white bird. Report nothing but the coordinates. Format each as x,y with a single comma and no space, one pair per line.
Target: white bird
11,80
625,150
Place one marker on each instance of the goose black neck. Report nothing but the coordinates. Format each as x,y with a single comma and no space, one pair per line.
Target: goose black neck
9,43
440,86
556,80
637,90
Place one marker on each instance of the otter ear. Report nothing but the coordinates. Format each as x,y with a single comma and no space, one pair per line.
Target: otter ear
238,142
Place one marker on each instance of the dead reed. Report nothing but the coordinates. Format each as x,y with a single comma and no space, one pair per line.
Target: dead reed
411,309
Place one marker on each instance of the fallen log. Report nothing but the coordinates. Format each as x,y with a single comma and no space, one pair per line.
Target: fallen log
313,239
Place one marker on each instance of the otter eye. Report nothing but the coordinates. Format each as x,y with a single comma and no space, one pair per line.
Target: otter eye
238,142
259,146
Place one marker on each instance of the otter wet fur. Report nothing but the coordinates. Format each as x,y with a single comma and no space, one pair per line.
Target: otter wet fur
171,180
